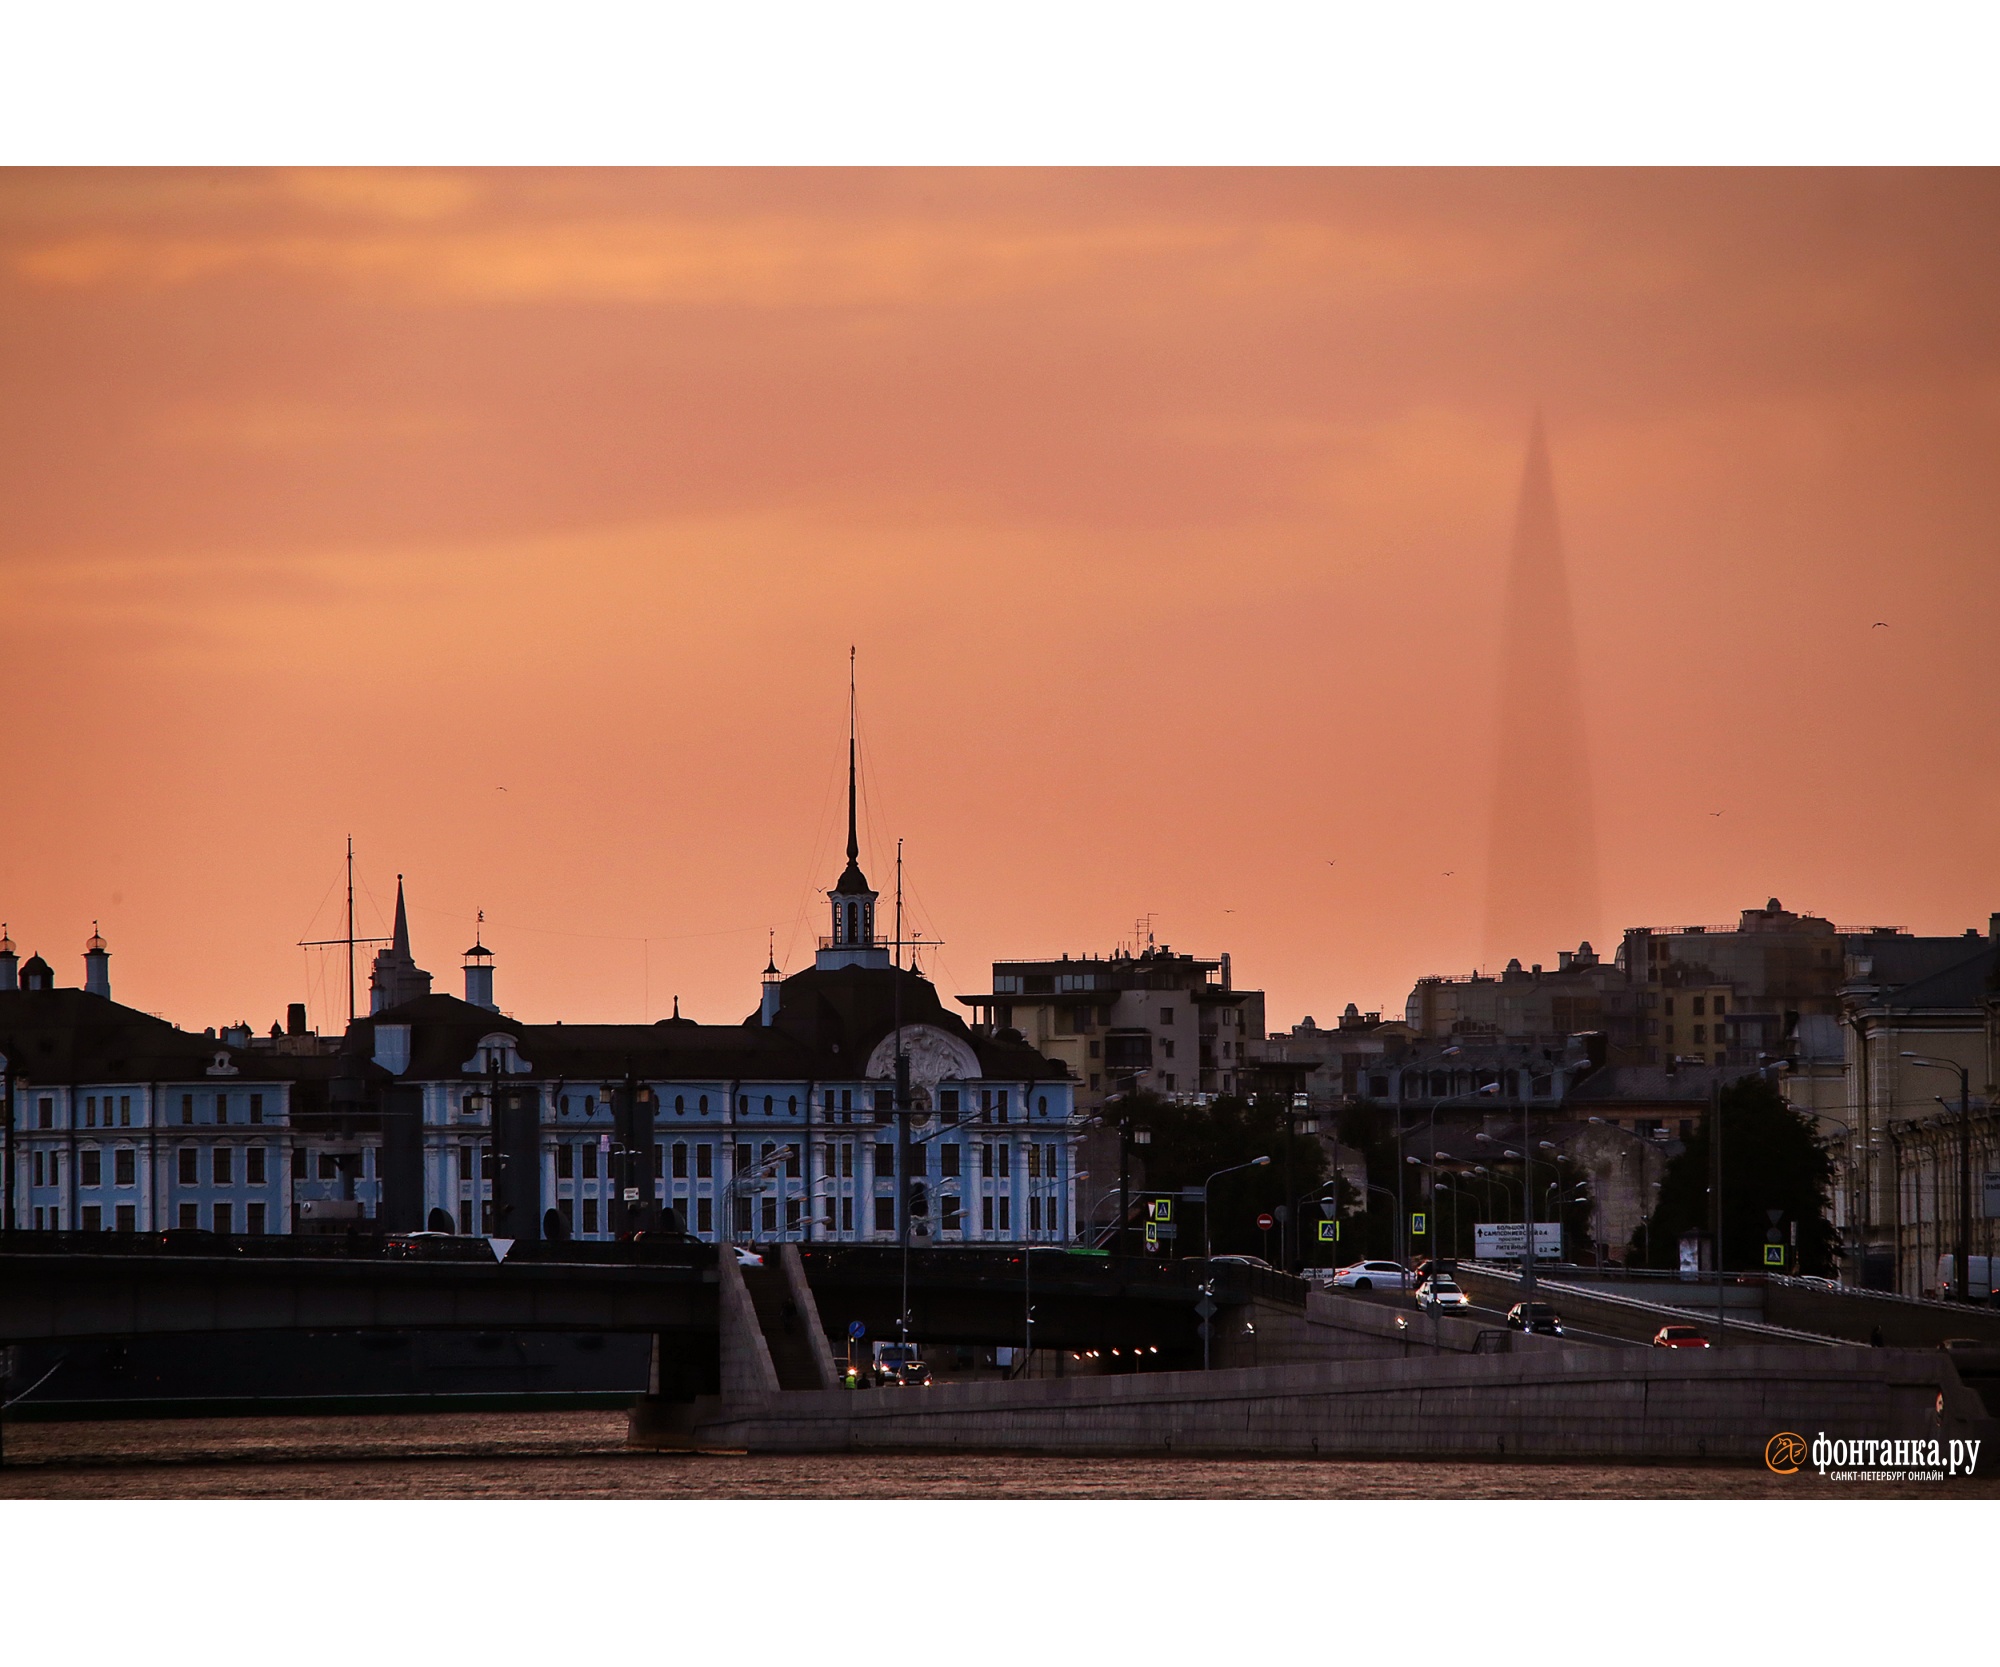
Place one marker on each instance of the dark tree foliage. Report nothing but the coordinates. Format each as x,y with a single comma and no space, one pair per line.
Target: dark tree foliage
1771,1160
1191,1142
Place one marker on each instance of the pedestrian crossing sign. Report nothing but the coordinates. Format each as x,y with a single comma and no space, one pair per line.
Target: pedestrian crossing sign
1774,1256
1329,1232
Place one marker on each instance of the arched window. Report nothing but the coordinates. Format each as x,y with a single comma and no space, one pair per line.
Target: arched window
767,1105
792,1104
1042,1105
680,1105
704,1105
853,923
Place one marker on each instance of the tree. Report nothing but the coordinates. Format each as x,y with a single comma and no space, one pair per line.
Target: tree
1771,1160
1191,1142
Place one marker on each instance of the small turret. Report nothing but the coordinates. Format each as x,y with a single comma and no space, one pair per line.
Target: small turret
97,965
479,969
774,990
10,963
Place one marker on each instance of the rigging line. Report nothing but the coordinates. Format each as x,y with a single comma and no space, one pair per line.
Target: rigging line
322,902
815,856
570,932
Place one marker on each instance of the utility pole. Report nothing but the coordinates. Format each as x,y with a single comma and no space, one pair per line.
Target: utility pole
1715,1188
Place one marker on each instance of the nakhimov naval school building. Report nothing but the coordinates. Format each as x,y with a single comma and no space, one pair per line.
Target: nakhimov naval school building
850,1106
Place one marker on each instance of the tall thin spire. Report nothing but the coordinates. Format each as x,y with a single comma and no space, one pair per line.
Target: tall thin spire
400,941
853,838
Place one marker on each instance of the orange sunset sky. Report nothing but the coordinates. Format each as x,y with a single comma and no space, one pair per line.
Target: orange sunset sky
518,524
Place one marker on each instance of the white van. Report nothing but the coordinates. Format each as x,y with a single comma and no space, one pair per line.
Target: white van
1982,1269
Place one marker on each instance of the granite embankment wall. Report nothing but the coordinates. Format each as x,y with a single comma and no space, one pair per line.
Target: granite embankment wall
1565,1403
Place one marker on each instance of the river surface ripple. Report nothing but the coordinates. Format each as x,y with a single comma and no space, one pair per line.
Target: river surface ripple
580,1455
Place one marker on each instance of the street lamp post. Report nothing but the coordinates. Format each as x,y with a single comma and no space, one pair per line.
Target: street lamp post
1964,1167
1208,1215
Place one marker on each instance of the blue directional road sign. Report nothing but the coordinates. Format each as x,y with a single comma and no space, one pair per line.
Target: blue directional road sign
856,1330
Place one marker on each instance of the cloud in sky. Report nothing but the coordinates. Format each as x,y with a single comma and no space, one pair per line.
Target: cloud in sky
1170,510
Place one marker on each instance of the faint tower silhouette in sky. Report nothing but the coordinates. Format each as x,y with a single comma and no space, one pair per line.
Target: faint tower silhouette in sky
1541,873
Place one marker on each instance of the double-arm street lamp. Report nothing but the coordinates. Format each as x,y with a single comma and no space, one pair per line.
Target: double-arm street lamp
1964,1165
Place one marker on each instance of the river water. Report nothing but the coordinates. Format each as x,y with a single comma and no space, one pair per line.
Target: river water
580,1455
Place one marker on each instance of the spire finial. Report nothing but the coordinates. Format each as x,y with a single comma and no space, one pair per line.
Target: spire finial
677,1007
400,934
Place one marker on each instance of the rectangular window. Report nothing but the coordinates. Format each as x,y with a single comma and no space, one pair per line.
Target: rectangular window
885,1215
744,1161
847,1099
1700,1006
224,1164
127,1218
189,1159
1668,1007
1167,1049
46,1112
948,1100
124,1165
847,1215
1170,1082
90,1168
566,1208
704,1162
190,1215
90,1111
1669,1038
256,1108
329,1170
124,1111
253,1220
660,1161
986,1161
1034,1163
223,1218
1006,1156
1720,1008
948,1161
1034,1215
1000,1107
764,1157
951,1222
885,1100
680,1160
222,1108
986,1215
847,1160
1166,1015
93,1218
187,1108
589,1166
565,1162
1094,1082
793,1210
770,1215
1049,1163
742,1218
590,1215
1700,1035
1006,1209
704,1213
885,1163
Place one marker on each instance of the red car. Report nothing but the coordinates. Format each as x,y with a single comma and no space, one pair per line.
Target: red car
1679,1337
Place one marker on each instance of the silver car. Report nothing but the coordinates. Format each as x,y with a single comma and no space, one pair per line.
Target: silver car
1367,1276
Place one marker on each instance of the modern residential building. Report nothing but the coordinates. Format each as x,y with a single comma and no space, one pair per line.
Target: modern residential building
1169,1024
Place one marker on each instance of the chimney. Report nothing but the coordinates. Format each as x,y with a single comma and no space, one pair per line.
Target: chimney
1564,959
96,965
1225,971
295,1019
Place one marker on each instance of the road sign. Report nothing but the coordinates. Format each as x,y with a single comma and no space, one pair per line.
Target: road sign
1503,1241
856,1330
1416,1224
1774,1256
1329,1232
1205,1307
631,1195
1265,1222
1152,1236
1163,1209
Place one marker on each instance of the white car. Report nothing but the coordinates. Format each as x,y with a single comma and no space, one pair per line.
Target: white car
1367,1276
1442,1293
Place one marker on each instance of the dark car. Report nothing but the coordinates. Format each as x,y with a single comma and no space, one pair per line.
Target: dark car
1535,1316
436,1247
